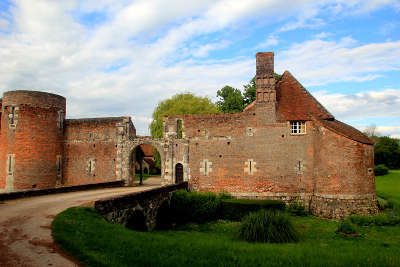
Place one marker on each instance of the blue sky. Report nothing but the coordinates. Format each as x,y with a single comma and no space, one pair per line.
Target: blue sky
122,58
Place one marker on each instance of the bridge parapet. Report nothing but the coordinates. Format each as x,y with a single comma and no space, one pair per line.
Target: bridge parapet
138,210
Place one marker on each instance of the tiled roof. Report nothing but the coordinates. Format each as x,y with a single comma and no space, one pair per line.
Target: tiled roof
347,131
295,102
147,150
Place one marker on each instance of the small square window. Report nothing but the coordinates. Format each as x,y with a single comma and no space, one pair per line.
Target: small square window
297,127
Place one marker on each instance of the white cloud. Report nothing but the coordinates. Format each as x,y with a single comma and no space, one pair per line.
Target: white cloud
272,40
145,51
317,61
369,104
366,106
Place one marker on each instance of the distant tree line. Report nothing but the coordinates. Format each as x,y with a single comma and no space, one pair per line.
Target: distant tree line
387,149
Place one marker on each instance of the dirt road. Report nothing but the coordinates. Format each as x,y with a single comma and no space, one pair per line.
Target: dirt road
25,233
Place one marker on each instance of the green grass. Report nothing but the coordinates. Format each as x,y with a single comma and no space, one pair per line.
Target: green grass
388,187
83,233
145,176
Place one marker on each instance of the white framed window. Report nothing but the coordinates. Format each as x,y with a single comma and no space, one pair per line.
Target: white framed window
298,127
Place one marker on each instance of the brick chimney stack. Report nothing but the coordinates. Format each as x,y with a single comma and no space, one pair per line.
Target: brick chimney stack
265,84
265,63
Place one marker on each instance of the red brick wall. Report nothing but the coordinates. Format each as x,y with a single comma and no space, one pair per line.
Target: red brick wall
36,140
344,166
321,161
224,141
90,139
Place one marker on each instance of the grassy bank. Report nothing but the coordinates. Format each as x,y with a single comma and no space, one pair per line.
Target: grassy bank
388,187
82,233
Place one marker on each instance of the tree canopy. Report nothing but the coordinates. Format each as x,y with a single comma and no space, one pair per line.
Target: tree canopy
186,103
232,100
387,151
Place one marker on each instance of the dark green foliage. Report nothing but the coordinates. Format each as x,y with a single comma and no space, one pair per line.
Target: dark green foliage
157,158
236,209
230,100
194,206
383,219
249,92
387,151
388,219
361,220
380,170
163,219
347,227
271,226
384,204
297,208
225,195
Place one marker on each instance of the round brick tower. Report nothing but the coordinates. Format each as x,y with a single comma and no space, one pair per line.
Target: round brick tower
31,142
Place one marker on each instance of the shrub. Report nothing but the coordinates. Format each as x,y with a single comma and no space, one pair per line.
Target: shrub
381,169
384,204
272,226
194,207
386,219
225,195
362,220
298,209
236,209
347,227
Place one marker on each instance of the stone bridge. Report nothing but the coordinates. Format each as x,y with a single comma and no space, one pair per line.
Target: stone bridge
142,210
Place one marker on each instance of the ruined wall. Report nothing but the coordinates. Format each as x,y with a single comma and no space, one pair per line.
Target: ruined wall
91,149
31,140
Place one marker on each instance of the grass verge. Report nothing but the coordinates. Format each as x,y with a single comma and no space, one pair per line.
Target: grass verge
86,236
145,176
388,187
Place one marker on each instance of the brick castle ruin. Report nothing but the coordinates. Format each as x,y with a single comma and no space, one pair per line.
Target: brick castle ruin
285,145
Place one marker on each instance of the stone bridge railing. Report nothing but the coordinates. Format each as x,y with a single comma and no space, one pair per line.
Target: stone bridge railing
139,210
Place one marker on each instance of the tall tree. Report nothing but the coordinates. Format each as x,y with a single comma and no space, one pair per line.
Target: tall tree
231,104
186,103
387,151
249,92
230,100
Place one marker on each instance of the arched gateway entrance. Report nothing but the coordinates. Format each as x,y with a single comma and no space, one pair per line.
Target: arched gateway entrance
172,151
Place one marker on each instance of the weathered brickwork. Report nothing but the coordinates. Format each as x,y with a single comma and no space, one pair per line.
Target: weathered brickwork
30,132
255,154
91,150
285,145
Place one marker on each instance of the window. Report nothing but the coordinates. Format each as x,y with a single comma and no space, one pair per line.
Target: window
59,165
91,166
297,127
10,164
60,120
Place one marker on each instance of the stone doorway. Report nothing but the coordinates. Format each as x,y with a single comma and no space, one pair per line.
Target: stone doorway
178,173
